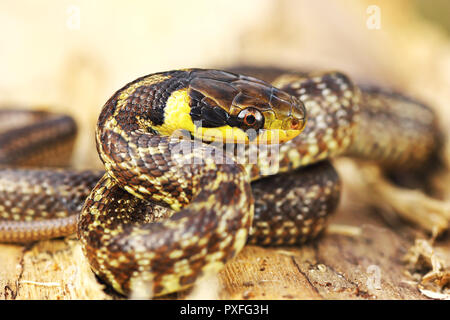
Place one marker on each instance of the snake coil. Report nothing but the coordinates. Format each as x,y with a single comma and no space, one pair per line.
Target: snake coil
174,203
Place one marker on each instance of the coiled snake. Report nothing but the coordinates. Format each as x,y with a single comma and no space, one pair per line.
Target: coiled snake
180,150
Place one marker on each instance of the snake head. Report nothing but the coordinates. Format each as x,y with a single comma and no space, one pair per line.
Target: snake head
233,108
267,113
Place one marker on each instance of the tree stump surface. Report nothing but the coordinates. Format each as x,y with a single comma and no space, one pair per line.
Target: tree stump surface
360,256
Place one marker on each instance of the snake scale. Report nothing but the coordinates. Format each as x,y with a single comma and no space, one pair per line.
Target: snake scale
198,163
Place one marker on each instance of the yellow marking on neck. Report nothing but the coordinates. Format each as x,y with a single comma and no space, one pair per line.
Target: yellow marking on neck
177,116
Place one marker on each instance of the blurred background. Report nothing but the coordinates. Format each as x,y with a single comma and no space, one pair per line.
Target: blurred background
72,55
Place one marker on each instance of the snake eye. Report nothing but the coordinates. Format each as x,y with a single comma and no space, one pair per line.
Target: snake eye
251,118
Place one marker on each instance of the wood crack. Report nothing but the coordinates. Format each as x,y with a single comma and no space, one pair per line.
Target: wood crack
306,277
26,248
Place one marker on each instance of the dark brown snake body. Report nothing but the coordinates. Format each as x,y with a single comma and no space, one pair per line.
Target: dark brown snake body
170,208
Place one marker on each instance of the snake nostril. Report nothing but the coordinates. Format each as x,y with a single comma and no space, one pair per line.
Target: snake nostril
295,124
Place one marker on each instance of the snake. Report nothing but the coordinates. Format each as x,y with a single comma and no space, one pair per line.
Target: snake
198,163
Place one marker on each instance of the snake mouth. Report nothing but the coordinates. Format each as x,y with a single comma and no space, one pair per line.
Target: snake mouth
280,131
232,135
277,136
277,132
